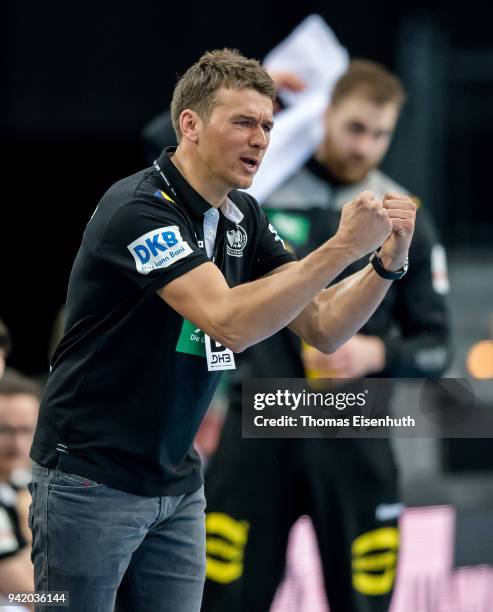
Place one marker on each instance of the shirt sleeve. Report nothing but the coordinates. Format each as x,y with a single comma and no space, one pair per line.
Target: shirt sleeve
271,250
151,243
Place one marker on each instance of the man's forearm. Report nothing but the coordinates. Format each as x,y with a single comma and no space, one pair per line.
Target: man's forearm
340,311
343,309
259,309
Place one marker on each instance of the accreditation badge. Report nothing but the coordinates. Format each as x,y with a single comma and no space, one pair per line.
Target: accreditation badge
218,356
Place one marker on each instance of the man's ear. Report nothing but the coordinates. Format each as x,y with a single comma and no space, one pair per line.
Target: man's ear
190,124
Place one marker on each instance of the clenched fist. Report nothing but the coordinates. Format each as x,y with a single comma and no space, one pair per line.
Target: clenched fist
365,224
402,214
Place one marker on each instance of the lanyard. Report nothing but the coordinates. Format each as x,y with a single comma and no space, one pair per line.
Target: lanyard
165,179
171,189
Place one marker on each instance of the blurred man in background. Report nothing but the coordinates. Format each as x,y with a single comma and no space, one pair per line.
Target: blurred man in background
256,489
19,402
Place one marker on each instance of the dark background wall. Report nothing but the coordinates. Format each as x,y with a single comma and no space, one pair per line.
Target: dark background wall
82,79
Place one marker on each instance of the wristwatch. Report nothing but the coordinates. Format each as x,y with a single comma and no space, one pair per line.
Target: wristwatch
376,262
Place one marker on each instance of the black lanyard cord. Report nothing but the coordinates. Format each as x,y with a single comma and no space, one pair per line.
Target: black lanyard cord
165,179
171,189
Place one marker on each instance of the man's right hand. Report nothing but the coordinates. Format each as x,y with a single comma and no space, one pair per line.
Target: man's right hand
286,80
364,225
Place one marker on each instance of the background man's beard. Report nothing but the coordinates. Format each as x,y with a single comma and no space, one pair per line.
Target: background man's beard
352,173
348,171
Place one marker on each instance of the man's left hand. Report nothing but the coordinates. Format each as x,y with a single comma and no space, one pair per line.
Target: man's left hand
402,213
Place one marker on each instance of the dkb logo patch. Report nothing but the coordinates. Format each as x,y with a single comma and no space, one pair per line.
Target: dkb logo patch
158,249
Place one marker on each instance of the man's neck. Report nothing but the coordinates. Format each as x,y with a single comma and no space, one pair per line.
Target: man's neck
198,176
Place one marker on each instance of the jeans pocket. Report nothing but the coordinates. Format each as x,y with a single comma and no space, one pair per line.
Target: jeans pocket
67,479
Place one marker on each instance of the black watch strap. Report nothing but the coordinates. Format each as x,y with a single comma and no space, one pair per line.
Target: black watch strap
376,262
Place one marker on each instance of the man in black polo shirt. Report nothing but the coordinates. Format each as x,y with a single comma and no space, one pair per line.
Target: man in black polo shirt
157,305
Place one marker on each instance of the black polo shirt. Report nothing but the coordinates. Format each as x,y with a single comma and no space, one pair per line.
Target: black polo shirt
129,383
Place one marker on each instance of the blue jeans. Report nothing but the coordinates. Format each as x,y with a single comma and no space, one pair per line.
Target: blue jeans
110,548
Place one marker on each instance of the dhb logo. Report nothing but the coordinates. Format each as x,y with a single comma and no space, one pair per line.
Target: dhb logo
158,249
220,355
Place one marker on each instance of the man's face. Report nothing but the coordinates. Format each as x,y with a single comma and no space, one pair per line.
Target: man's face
357,135
18,415
233,141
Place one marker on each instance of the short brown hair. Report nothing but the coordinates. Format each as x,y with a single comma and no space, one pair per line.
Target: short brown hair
15,383
369,80
220,68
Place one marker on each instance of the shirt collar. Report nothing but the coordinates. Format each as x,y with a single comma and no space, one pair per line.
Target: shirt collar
187,195
231,211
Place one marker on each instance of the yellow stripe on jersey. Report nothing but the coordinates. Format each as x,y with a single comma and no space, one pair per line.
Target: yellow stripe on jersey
166,197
